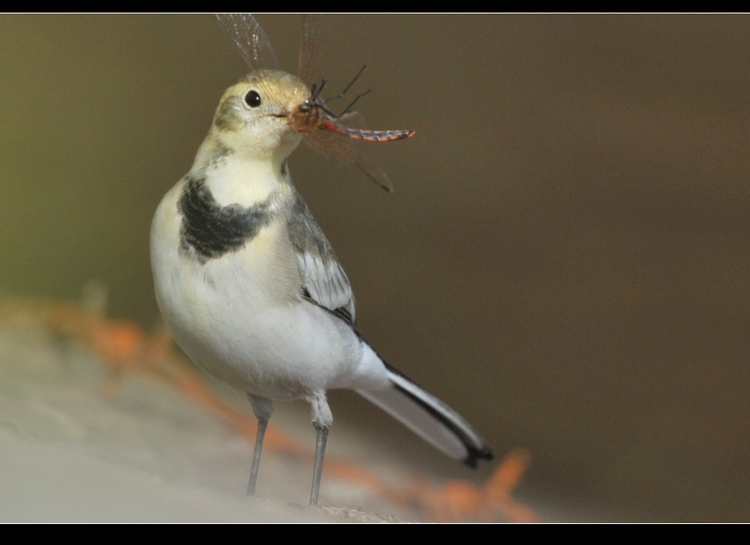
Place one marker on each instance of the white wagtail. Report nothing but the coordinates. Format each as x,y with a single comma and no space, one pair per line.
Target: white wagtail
250,286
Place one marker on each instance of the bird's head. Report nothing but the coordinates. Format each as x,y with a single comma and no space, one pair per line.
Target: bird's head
254,115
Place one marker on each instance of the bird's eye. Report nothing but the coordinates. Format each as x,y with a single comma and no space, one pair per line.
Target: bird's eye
252,99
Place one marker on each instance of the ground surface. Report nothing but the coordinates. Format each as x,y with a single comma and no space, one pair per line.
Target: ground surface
70,451
81,441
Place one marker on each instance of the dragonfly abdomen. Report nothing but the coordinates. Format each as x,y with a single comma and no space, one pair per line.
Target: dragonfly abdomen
367,135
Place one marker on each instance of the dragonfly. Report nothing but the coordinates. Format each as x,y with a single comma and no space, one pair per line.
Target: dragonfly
337,137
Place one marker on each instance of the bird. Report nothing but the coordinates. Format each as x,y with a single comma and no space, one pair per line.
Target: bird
252,289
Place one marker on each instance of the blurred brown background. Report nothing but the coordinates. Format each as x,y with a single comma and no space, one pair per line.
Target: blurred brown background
565,258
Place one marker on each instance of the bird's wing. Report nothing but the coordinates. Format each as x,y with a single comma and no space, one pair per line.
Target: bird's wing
324,280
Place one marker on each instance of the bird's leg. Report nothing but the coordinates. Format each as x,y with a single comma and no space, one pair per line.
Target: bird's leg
320,450
263,408
322,420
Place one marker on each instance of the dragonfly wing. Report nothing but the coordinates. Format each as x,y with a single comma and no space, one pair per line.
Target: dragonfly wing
250,39
345,153
369,165
333,147
311,49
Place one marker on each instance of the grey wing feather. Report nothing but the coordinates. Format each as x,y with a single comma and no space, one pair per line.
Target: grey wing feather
325,281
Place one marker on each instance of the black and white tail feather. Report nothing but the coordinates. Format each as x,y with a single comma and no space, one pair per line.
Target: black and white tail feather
327,286
430,418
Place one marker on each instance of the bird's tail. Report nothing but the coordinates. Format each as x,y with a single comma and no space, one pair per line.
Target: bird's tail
429,418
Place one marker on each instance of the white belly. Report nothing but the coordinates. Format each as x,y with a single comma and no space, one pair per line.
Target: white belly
241,315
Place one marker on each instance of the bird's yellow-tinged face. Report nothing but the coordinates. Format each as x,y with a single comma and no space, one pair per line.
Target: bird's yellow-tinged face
254,115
